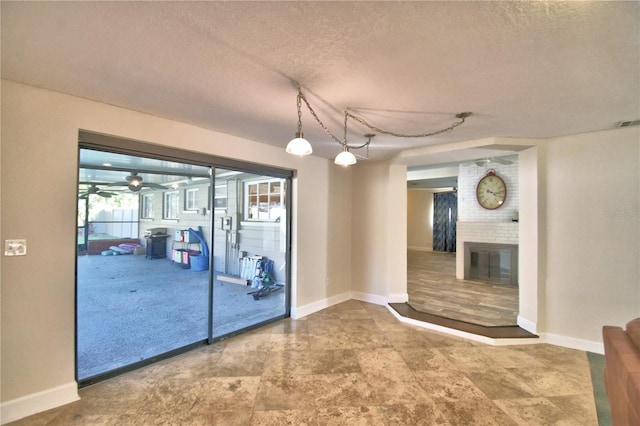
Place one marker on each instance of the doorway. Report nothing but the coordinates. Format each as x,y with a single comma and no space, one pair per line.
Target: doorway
149,254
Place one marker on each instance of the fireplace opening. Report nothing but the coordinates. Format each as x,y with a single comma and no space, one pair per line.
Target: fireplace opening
491,262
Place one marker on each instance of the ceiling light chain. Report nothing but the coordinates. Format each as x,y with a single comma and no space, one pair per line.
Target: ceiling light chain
301,146
462,116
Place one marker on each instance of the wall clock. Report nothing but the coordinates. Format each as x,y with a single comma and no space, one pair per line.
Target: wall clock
491,191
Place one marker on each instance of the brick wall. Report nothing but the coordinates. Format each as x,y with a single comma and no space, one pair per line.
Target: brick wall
468,208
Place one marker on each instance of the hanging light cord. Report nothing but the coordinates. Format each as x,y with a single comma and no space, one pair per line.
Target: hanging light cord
347,114
462,116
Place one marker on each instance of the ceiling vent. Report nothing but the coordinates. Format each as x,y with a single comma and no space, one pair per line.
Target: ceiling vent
629,123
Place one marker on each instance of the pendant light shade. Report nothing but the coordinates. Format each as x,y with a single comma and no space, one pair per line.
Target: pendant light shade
345,158
299,145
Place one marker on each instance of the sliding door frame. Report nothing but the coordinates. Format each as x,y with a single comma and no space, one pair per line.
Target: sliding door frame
107,143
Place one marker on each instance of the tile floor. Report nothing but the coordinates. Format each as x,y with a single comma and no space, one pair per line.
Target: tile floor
350,364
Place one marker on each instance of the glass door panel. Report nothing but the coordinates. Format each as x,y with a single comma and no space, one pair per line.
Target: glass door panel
249,251
143,276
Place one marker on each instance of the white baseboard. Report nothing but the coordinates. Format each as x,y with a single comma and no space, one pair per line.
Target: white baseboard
398,298
369,298
573,343
37,402
530,326
303,311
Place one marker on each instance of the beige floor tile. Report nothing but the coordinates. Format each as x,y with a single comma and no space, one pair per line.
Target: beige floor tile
507,357
288,363
352,416
335,361
224,393
425,359
284,417
536,411
473,411
580,407
410,414
469,358
285,393
342,390
550,382
447,385
498,383
235,363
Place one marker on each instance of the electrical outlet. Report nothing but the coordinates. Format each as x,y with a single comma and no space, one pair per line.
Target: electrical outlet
15,247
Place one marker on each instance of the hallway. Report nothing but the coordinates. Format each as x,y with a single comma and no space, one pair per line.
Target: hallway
434,289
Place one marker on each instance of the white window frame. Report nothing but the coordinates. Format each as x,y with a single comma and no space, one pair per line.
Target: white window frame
191,199
258,213
171,205
147,206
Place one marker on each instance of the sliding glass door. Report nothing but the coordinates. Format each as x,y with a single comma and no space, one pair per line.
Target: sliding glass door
175,249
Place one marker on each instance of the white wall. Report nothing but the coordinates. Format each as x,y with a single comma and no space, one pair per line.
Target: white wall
531,247
39,148
592,232
420,219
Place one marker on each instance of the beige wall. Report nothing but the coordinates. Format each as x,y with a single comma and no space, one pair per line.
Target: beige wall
39,173
420,219
379,232
592,232
369,228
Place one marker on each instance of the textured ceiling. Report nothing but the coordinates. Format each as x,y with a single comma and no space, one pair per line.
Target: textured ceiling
525,69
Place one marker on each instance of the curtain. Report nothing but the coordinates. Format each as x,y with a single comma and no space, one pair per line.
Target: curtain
445,216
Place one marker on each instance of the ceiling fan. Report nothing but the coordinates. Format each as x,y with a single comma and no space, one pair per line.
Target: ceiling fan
135,183
94,190
499,160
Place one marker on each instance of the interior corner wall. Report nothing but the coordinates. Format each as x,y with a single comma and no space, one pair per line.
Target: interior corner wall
39,155
528,246
420,219
397,234
592,232
369,228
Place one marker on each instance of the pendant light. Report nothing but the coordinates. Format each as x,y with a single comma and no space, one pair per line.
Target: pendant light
345,158
299,145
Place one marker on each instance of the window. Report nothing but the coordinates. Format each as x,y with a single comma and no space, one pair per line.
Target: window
147,206
190,198
171,205
265,200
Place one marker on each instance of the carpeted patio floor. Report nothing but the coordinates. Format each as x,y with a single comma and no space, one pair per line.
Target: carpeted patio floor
130,308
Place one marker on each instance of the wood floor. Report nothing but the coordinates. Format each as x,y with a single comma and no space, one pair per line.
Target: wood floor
434,289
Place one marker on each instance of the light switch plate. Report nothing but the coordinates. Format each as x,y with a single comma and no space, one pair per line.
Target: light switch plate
15,247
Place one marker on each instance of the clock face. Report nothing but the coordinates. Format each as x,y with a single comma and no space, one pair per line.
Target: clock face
491,191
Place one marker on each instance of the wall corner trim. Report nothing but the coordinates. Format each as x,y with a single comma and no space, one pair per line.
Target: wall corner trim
397,298
530,326
37,402
308,309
